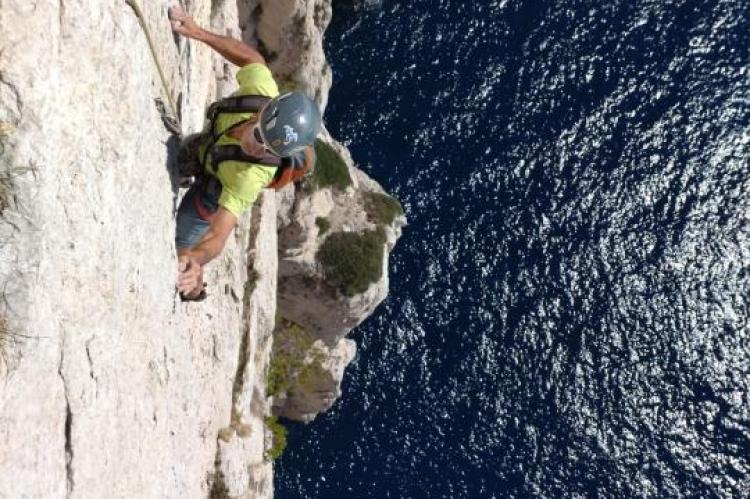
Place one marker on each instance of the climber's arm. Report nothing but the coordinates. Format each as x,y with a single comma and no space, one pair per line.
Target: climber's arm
232,50
191,261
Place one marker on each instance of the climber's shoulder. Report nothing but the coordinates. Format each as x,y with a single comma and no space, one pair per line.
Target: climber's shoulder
256,79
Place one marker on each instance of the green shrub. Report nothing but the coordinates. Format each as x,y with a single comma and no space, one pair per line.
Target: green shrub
291,342
353,260
330,169
323,224
311,372
278,444
281,373
288,366
381,209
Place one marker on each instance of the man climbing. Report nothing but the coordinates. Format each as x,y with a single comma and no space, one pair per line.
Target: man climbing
249,139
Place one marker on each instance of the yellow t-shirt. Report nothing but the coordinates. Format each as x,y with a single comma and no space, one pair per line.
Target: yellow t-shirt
242,182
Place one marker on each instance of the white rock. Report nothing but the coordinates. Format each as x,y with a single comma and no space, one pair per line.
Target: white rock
118,390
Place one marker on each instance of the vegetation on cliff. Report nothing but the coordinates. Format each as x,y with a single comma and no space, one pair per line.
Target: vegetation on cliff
330,168
323,225
381,209
278,435
294,359
295,362
353,260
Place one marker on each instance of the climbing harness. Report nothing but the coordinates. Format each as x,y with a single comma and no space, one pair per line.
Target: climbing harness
288,169
234,105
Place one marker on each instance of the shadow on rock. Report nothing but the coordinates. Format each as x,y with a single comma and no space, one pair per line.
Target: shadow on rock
173,146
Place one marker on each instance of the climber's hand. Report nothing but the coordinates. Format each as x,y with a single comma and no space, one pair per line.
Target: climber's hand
182,22
190,278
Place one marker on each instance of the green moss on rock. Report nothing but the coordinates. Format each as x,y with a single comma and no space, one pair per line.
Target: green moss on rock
294,361
279,438
323,225
381,209
353,260
330,169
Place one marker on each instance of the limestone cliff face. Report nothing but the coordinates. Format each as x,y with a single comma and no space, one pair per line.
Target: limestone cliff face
112,387
109,385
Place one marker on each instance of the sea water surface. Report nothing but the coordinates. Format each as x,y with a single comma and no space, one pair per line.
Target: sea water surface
568,314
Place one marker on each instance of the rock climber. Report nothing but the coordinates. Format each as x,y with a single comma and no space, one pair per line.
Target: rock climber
248,139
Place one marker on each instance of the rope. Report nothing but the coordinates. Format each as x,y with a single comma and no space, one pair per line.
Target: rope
141,20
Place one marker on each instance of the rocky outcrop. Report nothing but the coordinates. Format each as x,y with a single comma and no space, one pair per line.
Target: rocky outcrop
310,395
309,296
306,296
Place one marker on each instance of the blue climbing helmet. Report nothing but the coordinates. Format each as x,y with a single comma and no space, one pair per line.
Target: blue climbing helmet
289,123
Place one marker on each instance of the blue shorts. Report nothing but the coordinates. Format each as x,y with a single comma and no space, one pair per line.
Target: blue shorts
190,227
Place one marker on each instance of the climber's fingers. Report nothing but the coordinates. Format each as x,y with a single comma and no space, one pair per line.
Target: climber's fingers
181,21
190,275
177,13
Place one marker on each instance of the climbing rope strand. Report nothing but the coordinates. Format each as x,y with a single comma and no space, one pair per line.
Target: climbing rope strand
142,21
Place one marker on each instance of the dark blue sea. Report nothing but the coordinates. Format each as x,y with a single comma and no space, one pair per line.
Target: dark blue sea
568,314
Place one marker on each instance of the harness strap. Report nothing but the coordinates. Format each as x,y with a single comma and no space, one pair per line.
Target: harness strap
213,140
288,170
232,105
